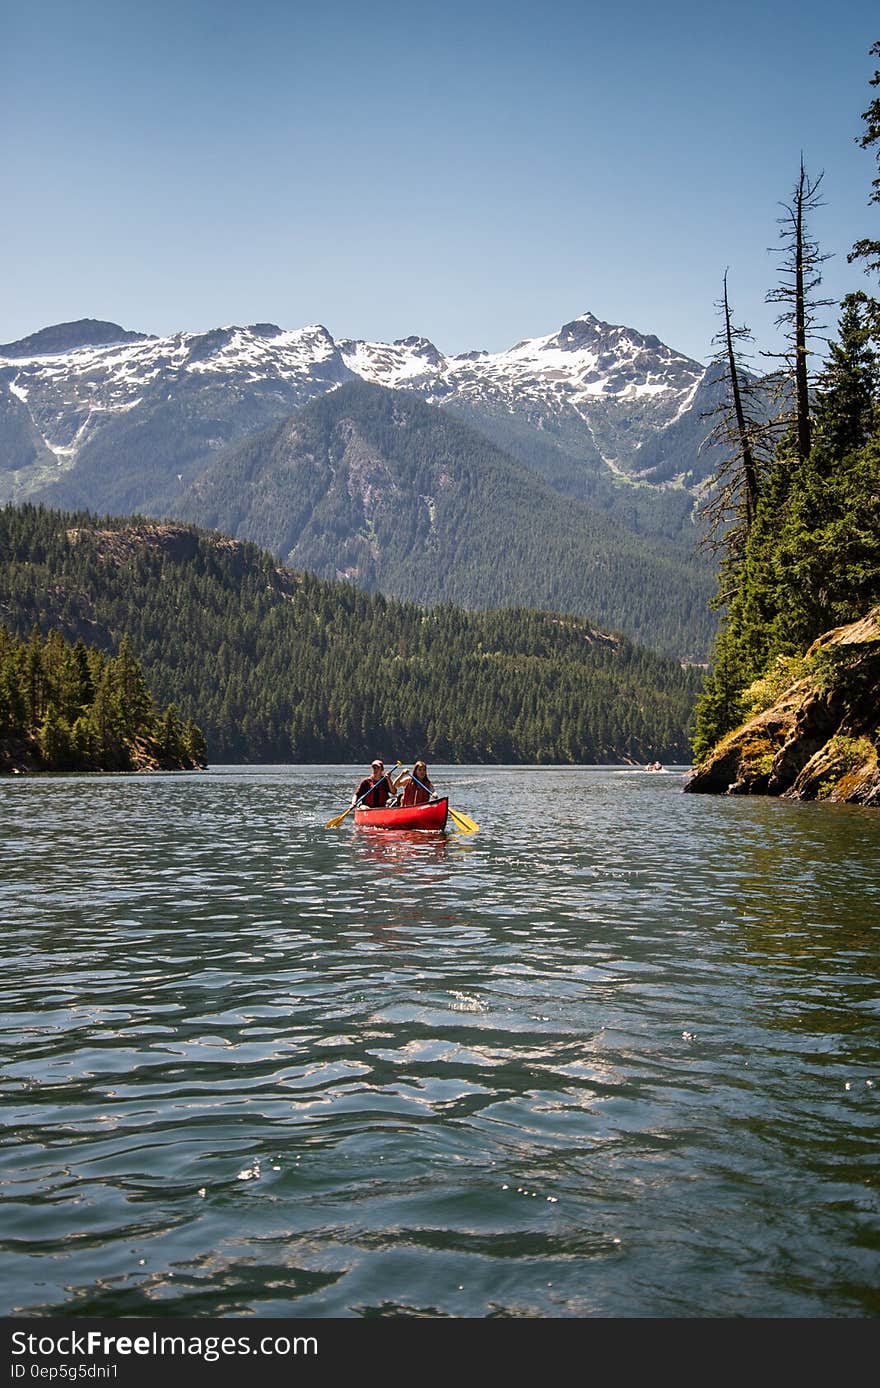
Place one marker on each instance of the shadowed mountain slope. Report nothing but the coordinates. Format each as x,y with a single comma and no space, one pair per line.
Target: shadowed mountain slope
374,486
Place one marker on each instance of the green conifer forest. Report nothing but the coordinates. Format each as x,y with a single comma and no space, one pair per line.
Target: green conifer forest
278,666
68,707
800,538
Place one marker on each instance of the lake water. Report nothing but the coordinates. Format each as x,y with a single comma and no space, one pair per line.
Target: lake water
616,1055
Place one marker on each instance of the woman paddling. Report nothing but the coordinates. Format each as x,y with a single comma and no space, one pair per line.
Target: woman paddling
417,789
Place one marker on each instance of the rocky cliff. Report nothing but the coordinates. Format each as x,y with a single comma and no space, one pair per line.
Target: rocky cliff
814,729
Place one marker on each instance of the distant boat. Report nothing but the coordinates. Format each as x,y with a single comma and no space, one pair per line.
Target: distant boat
653,766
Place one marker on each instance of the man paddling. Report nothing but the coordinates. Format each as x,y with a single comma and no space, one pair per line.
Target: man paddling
375,790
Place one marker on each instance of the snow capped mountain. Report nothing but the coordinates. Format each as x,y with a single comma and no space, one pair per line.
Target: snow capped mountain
586,360
69,393
85,393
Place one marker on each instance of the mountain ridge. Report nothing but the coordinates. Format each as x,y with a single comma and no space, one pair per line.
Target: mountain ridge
599,392
588,411
67,337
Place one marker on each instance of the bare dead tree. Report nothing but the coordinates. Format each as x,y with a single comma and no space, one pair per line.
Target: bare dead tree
801,278
741,432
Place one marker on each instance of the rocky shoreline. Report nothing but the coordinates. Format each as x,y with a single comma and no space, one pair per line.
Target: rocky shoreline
24,758
817,739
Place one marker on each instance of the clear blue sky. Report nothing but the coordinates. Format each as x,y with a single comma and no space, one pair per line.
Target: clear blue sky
475,172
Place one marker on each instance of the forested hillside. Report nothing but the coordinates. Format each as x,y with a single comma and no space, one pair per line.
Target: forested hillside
571,464
797,514
375,486
278,666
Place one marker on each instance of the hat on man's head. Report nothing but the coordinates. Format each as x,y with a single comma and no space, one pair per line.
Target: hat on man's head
377,761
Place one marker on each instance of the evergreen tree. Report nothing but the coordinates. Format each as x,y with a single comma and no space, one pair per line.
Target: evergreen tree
105,724
170,735
134,702
35,686
849,385
194,746
55,740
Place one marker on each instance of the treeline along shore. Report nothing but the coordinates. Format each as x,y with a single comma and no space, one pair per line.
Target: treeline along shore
68,707
277,666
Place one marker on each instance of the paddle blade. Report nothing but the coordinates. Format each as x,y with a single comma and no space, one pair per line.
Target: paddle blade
465,824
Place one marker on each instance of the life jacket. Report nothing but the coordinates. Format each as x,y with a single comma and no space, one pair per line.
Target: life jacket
375,798
414,794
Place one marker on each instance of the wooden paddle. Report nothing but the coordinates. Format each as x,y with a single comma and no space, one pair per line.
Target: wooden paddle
337,820
466,825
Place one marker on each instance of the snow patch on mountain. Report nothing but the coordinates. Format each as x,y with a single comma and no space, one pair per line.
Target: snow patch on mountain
396,365
614,384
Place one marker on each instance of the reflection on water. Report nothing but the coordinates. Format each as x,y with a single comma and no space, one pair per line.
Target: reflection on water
615,1055
401,851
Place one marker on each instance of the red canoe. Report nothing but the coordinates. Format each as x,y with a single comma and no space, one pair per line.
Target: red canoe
430,816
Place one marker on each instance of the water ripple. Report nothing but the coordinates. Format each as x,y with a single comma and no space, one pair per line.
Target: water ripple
615,1055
